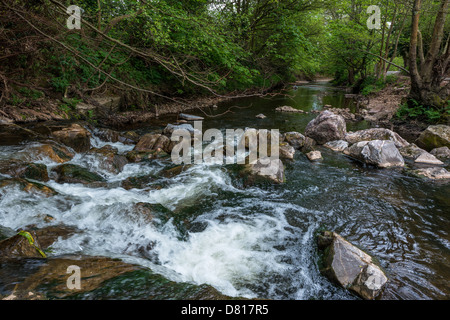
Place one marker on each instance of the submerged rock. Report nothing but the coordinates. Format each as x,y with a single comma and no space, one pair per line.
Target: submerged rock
434,137
376,134
260,116
434,173
71,173
75,136
337,145
350,267
381,153
289,109
326,127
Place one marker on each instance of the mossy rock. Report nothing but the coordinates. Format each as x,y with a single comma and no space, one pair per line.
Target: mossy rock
434,137
71,173
34,171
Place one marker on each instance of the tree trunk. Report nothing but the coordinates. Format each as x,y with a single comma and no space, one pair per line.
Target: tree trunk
425,83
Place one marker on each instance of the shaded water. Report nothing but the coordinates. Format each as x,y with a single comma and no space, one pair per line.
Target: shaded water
258,241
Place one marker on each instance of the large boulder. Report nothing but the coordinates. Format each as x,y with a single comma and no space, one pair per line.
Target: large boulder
350,267
75,136
376,134
434,137
381,153
326,127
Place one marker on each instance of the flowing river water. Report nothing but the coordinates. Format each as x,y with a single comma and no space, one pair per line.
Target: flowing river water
256,242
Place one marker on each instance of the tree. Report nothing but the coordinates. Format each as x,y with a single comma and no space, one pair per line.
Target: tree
428,72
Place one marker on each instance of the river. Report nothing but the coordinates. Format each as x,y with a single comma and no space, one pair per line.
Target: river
256,242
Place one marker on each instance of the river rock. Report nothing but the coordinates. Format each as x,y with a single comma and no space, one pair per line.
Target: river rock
11,134
139,182
75,136
337,145
411,151
34,171
54,152
350,267
326,127
140,156
376,134
109,135
19,246
109,159
295,139
428,158
314,155
434,173
170,128
72,173
286,151
382,153
50,234
172,172
260,116
146,142
190,117
262,171
289,109
434,137
164,144
28,186
101,279
442,153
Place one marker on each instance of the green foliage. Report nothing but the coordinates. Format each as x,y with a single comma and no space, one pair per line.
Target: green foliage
414,110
